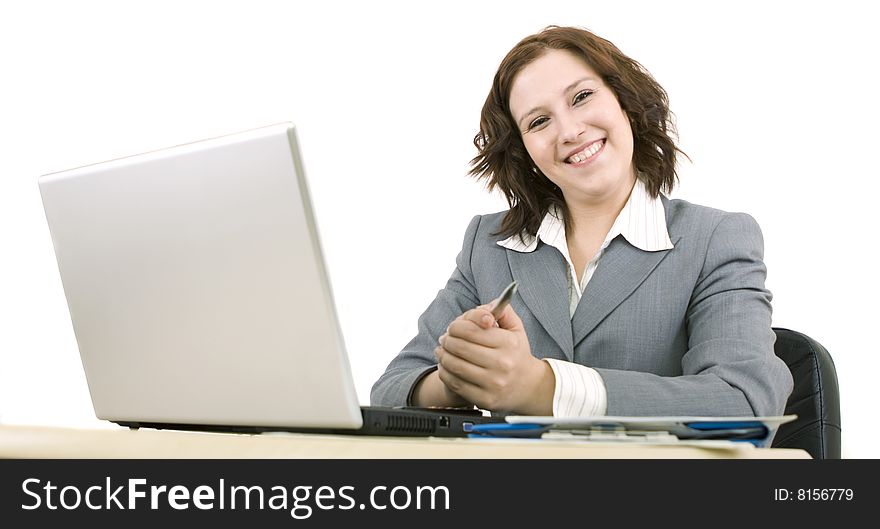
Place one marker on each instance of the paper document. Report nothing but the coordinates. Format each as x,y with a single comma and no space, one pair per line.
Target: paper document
754,430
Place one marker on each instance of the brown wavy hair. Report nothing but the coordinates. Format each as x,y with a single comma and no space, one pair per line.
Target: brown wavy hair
503,161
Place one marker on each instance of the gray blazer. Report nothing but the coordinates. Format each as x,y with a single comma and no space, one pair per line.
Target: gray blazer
684,331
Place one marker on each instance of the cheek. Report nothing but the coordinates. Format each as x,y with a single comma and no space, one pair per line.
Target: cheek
537,150
624,131
625,139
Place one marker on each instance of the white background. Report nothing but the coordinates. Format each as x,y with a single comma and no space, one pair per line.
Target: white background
776,103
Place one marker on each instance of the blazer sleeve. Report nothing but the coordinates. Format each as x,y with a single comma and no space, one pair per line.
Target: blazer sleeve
416,360
730,367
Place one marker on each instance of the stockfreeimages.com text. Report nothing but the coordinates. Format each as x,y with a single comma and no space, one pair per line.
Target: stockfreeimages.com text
300,500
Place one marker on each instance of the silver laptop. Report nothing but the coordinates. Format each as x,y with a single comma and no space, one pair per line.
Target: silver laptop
199,296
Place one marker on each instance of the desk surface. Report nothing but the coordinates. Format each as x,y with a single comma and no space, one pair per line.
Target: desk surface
50,442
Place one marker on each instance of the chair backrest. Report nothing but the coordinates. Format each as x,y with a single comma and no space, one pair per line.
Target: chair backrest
815,398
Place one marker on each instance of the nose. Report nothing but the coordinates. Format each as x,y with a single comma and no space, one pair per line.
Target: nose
570,128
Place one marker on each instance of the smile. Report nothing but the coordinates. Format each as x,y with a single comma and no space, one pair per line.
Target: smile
586,154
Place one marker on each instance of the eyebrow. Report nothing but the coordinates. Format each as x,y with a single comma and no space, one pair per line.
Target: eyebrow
565,90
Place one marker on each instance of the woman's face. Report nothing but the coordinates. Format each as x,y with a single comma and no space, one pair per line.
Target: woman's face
573,128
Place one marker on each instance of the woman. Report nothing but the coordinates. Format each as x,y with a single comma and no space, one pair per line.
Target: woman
628,303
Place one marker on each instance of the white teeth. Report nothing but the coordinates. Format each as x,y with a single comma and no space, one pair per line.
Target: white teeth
586,153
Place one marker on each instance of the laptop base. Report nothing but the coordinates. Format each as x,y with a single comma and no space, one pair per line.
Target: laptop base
379,421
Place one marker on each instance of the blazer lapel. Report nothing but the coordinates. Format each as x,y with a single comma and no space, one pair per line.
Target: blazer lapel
542,284
621,270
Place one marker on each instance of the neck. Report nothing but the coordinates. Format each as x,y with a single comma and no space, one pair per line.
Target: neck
598,215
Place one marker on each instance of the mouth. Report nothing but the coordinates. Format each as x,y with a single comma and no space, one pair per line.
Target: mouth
585,154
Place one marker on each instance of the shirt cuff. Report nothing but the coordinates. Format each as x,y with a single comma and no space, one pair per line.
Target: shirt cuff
580,390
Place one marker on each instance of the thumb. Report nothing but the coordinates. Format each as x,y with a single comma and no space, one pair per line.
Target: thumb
510,320
482,316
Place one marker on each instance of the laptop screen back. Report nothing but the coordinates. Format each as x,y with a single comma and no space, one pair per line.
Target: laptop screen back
197,289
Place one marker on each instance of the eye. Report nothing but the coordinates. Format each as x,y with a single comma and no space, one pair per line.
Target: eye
537,122
581,96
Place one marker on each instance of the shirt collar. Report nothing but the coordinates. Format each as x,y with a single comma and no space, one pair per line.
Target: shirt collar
642,222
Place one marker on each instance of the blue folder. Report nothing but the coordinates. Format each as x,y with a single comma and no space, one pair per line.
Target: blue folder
755,430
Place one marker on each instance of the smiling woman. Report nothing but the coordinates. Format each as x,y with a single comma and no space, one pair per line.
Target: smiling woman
579,139
629,303
631,103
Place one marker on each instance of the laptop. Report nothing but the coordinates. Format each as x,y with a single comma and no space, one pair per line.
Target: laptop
199,296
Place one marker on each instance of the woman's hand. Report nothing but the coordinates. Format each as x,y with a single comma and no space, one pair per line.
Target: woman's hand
492,366
431,391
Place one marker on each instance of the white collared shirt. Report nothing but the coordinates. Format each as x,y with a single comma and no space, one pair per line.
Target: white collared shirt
580,390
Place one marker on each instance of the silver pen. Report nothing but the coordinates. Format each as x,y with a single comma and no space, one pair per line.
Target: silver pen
503,300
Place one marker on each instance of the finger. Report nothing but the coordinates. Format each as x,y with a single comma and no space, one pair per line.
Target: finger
485,357
481,316
464,388
467,330
461,367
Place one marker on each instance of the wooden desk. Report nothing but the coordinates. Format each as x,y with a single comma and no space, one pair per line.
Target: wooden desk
49,442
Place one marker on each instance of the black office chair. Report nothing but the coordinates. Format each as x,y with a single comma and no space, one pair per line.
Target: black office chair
815,398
